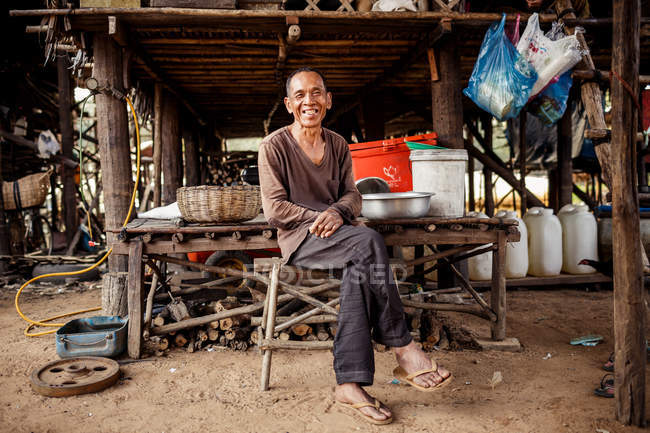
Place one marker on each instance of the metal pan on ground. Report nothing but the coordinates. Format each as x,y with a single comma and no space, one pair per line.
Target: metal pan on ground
372,185
396,205
74,376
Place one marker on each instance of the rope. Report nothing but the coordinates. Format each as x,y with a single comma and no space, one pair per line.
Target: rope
44,322
627,87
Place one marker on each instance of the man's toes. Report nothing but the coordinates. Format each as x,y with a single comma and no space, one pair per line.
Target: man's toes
371,411
436,378
383,409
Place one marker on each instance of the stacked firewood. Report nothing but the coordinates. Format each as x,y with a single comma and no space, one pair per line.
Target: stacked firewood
432,331
237,332
228,172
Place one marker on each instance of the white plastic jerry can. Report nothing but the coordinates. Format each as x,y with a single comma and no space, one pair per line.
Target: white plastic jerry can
544,242
579,238
480,267
516,252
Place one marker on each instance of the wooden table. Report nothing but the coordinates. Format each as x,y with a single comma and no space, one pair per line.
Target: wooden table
144,237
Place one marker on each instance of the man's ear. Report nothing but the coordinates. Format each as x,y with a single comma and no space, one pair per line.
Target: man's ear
287,105
329,100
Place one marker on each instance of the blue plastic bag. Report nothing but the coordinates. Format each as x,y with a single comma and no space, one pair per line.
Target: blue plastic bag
502,79
550,104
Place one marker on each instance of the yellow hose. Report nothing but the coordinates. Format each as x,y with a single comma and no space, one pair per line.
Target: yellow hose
43,323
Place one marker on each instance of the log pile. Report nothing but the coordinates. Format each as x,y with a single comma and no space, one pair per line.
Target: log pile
228,172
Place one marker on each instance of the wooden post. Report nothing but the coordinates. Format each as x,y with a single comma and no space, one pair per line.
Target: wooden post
564,162
112,135
192,166
171,148
135,298
67,144
470,193
522,161
270,311
629,302
498,291
5,247
373,116
157,143
446,98
114,297
486,122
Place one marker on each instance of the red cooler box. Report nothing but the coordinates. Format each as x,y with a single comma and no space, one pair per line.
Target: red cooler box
387,159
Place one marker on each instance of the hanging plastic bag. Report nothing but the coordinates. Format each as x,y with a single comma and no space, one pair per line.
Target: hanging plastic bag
550,58
502,79
551,103
512,31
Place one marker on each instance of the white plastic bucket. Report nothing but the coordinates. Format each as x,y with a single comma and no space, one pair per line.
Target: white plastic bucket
441,171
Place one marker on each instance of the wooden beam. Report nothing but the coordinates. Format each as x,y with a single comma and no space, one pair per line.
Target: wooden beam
157,143
486,122
629,296
564,161
403,63
473,18
172,163
112,134
522,160
67,143
584,74
446,96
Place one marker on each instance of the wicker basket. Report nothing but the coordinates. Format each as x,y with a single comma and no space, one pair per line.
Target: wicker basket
211,204
27,191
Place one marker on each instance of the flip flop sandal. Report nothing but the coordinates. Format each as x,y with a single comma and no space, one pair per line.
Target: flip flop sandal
357,406
401,374
606,387
609,365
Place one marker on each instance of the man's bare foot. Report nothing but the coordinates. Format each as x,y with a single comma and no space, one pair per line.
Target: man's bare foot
411,358
352,393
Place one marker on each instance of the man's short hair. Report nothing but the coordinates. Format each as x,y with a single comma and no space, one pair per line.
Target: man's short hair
304,69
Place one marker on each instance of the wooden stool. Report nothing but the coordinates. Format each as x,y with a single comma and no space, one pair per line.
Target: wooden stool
268,323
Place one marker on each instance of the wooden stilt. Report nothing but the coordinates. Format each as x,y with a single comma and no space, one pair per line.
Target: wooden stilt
629,302
112,135
373,116
522,161
446,95
486,122
272,297
498,292
564,162
157,143
172,166
192,166
135,298
67,144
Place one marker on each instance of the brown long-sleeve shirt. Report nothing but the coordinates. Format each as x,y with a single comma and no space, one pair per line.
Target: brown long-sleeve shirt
295,190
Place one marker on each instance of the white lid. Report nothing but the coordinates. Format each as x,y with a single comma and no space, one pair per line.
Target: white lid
547,211
439,155
567,208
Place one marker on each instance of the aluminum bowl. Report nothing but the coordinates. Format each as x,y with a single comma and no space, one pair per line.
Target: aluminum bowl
396,205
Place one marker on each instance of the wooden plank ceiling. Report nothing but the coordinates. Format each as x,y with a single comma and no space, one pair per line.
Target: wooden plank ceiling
226,67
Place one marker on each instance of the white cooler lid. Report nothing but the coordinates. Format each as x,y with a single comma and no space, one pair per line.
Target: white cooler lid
439,155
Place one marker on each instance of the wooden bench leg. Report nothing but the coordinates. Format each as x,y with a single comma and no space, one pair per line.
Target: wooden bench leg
498,292
135,298
271,305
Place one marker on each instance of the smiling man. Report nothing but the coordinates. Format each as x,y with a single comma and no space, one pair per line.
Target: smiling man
308,193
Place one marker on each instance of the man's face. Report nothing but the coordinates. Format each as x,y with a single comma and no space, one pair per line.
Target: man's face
307,100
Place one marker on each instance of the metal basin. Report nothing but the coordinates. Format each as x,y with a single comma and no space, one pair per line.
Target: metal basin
396,205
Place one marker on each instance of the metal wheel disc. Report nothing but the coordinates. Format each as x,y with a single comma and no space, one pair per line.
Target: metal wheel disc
74,376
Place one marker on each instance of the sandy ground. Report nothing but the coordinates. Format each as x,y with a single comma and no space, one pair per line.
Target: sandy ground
218,391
